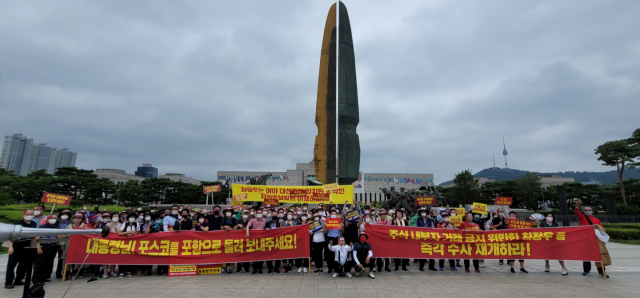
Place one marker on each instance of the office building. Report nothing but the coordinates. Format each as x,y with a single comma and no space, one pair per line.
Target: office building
147,171
20,155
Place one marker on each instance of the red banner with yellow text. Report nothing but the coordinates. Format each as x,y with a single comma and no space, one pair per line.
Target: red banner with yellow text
187,247
54,198
570,243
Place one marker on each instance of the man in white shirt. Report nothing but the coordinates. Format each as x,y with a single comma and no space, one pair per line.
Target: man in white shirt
341,263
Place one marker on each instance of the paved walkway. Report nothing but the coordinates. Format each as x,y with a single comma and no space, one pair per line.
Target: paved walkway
494,281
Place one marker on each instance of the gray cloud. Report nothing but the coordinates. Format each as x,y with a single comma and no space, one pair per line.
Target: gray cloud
197,87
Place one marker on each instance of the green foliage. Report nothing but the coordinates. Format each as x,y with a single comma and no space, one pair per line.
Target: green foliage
13,213
627,210
622,225
623,234
620,154
465,189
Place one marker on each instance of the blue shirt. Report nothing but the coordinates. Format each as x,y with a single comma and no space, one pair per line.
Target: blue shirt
333,233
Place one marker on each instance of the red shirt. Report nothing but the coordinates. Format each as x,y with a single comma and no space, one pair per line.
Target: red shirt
583,219
469,226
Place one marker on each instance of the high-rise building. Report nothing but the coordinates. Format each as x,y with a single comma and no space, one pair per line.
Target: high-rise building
147,171
21,156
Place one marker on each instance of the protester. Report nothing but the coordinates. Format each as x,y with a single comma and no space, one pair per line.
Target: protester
78,222
499,223
362,255
20,254
202,225
215,219
447,225
423,221
184,223
383,261
549,223
46,253
38,216
257,223
318,242
588,220
171,218
514,216
470,225
400,221
128,229
341,264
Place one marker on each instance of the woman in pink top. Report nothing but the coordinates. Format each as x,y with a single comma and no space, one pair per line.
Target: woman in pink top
380,261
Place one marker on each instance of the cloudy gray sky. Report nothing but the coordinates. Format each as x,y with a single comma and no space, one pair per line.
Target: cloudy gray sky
195,87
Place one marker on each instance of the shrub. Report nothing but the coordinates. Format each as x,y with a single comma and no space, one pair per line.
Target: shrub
623,234
621,209
622,225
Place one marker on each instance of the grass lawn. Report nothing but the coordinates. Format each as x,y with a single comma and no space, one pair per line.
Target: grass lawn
3,250
632,242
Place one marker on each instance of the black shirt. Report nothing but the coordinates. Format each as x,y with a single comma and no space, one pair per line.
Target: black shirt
229,221
183,226
215,223
501,221
23,242
362,251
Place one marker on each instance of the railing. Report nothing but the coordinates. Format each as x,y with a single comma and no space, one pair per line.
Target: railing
572,220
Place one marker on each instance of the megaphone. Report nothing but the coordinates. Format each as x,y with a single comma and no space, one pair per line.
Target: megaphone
15,232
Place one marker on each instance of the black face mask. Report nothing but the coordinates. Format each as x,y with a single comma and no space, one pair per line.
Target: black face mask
275,218
216,212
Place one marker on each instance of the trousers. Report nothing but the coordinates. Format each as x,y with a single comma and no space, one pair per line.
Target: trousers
342,268
21,258
43,263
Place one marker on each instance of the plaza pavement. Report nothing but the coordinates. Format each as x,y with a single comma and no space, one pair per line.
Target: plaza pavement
494,281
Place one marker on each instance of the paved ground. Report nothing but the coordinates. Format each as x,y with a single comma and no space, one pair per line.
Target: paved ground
494,281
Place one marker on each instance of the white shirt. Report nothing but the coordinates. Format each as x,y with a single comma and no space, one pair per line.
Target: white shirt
342,252
131,227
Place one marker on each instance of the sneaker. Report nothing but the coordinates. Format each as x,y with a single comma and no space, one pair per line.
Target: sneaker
523,270
483,265
300,270
374,270
18,283
547,268
335,275
8,286
454,269
348,274
113,274
441,268
565,271
433,269
371,275
304,269
586,273
601,275
104,276
357,273
513,270
467,270
500,263
477,270
121,275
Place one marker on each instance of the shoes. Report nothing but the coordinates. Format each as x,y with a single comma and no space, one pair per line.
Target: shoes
501,263
304,270
477,270
565,271
113,274
482,265
458,264
586,273
396,268
404,268
270,270
300,270
254,271
259,271
18,283
433,269
371,275
601,275
454,269
374,270
388,270
348,274
547,268
523,270
421,268
128,274
8,286
121,275
357,273
335,275
105,276
467,270
441,268
513,270
239,269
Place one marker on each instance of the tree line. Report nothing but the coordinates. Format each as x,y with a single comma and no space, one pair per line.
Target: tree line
85,187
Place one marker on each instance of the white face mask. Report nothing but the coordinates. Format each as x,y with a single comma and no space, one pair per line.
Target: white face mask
366,212
115,218
153,211
132,219
588,212
289,216
201,220
36,213
299,212
367,220
141,217
148,218
280,215
174,212
139,209
245,216
373,213
84,208
304,208
64,217
228,214
304,218
295,217
252,213
423,214
316,218
446,219
193,215
106,220
265,213
549,218
334,216
52,221
454,214
259,215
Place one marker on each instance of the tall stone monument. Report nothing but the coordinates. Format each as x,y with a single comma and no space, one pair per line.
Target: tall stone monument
324,153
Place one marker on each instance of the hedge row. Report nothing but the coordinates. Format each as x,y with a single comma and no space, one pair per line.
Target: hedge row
623,234
13,213
622,225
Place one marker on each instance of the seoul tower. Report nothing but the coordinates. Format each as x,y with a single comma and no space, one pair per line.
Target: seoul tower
504,152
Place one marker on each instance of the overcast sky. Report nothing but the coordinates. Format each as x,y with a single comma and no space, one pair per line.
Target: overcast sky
196,87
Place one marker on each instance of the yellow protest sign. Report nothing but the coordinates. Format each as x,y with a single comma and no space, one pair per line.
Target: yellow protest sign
460,211
456,220
293,194
479,208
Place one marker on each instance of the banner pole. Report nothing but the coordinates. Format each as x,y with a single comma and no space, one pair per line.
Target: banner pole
309,262
604,273
54,206
64,274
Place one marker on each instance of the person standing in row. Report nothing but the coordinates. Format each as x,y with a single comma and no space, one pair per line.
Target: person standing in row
400,222
318,242
257,223
46,253
470,225
20,254
383,261
242,224
447,225
549,223
423,221
514,216
588,220
499,223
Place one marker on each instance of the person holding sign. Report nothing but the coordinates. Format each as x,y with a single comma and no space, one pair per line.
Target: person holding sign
499,223
333,236
318,240
513,215
549,223
399,220
470,225
424,221
588,220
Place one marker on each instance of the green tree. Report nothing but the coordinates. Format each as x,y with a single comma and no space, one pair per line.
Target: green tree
620,154
31,188
74,182
528,191
465,189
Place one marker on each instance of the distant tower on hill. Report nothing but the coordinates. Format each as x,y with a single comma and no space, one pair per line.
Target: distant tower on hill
504,152
494,160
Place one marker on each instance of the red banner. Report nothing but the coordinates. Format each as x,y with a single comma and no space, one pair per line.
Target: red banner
504,201
425,201
211,188
54,198
187,248
520,224
571,243
333,224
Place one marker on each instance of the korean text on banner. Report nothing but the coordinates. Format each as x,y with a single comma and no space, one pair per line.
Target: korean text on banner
240,197
353,215
186,247
504,201
294,194
182,270
479,208
460,211
271,201
456,220
332,186
315,226
236,205
211,188
566,243
53,198
425,200
333,224
520,224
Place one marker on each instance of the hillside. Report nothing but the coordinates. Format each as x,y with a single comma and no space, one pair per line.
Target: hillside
500,174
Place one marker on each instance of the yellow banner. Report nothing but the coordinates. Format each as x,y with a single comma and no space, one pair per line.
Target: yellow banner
456,220
479,208
295,194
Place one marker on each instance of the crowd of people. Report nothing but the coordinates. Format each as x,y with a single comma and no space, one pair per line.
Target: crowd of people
341,249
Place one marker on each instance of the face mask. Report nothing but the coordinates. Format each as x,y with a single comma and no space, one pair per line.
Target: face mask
201,220
132,219
588,212
299,212
280,215
228,214
245,216
316,218
106,220
274,218
454,214
193,215
153,211
84,208
174,212
289,216
259,215
476,215
147,218
549,218
52,221
139,209
304,208
373,213
265,213
115,218
367,220
28,217
295,217
141,217
180,209
252,213
446,219
304,218
64,217
363,239
216,212
500,214
334,216
423,214
36,213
